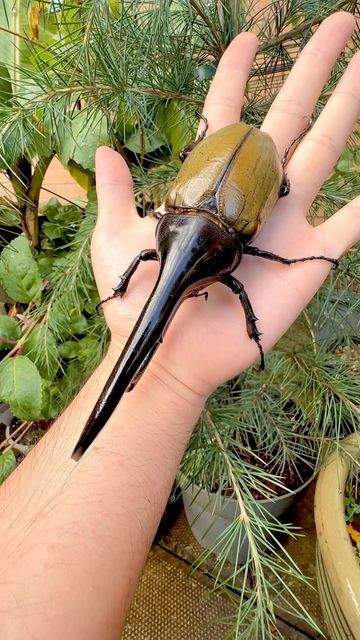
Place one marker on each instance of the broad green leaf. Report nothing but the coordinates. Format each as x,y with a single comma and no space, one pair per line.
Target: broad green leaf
82,177
51,400
7,19
20,387
126,120
54,230
69,349
82,349
116,7
87,133
52,210
9,330
45,265
7,464
9,217
173,123
40,346
146,143
56,212
5,85
70,382
19,275
67,319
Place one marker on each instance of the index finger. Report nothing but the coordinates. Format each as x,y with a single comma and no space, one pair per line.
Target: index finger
226,94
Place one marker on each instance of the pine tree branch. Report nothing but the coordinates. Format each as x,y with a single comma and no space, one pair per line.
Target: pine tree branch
208,23
295,33
24,37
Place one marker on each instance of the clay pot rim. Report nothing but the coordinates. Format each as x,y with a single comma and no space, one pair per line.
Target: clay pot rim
183,482
333,539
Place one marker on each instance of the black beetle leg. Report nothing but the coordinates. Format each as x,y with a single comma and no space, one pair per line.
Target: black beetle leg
197,294
189,147
284,187
147,254
252,330
295,140
254,251
155,214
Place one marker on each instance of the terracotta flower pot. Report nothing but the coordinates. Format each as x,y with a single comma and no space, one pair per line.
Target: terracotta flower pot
338,572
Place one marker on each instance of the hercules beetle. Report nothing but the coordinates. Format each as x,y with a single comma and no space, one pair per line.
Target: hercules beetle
224,192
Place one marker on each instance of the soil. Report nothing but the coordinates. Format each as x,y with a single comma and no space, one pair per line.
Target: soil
29,438
291,476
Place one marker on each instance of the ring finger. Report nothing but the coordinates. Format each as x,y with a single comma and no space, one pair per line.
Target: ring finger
322,146
298,97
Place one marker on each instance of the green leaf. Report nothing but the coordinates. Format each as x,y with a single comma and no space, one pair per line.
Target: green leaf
41,348
20,387
85,136
84,178
70,383
82,349
146,143
53,230
19,275
9,217
7,464
174,125
7,19
5,85
9,330
51,400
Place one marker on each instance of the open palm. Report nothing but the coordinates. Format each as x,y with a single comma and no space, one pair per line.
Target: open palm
207,341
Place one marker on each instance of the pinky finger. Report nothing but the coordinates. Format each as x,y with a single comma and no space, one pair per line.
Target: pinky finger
340,232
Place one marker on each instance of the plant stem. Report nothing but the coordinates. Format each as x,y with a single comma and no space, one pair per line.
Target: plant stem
24,37
33,195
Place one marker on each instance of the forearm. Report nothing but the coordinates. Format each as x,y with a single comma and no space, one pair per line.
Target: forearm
75,535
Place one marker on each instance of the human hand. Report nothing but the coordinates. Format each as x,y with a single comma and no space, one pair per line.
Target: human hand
207,342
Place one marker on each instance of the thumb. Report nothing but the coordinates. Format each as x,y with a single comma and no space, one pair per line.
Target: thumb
114,187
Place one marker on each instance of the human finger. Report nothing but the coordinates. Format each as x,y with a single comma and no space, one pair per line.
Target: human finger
114,187
322,146
226,94
299,94
340,232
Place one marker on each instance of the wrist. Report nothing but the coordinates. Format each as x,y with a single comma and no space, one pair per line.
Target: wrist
159,390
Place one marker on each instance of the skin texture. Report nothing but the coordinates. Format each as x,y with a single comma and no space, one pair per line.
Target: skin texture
74,536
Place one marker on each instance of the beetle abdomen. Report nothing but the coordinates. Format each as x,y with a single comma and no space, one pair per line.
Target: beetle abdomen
234,174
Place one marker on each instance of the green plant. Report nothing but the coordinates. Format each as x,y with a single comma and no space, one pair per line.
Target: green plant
131,74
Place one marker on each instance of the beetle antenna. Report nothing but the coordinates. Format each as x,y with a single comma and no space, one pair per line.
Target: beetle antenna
299,137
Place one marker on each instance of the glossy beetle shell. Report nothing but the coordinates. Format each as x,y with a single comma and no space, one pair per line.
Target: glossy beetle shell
234,174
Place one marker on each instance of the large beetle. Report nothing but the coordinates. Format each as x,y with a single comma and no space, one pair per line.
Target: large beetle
224,192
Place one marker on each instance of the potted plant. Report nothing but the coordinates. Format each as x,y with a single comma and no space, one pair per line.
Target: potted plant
338,568
70,88
261,439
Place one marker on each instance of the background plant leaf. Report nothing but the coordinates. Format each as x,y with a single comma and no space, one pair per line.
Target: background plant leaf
19,275
20,387
81,139
9,330
7,464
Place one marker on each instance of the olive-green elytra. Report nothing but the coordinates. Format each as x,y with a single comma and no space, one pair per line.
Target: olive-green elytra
234,174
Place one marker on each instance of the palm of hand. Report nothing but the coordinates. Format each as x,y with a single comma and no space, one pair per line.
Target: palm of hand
207,341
